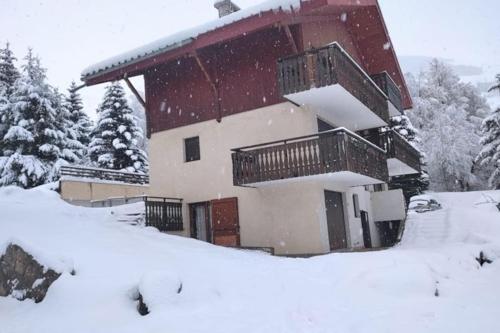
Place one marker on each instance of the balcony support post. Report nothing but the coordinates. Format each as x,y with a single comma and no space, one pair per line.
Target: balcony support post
213,84
289,35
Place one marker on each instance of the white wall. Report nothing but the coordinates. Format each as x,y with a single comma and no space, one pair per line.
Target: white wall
282,216
388,205
289,216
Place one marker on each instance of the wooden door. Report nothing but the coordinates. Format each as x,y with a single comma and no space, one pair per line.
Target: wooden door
365,225
225,222
335,220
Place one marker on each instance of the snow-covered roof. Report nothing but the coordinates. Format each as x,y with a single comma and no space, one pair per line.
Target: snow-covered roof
187,36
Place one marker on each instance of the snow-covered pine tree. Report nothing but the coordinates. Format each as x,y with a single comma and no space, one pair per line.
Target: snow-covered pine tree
139,112
489,156
78,125
8,71
8,76
68,147
412,184
496,86
114,143
441,114
32,142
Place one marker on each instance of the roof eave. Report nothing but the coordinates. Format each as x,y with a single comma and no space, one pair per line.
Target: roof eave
225,33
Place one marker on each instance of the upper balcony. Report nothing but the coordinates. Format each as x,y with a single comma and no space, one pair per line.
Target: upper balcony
337,155
390,88
402,159
331,83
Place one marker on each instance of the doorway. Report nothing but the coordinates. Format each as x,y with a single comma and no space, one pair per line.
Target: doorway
226,226
335,220
365,225
201,228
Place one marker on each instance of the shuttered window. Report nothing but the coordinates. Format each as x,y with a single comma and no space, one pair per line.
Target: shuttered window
192,149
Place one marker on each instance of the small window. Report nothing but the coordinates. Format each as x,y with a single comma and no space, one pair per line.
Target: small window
192,149
323,126
378,187
355,201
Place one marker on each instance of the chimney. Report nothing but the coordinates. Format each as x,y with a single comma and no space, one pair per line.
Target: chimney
225,7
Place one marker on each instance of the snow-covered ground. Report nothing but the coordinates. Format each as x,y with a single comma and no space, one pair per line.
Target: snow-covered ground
227,290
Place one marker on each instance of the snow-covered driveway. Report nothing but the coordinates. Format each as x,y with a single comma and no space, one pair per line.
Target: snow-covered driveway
430,283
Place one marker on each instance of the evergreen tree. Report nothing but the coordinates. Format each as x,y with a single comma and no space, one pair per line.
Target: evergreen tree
8,71
444,118
8,76
412,184
33,140
114,142
69,148
489,156
140,113
497,85
78,125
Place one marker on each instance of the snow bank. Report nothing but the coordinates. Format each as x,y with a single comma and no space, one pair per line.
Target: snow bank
160,289
432,282
185,37
49,260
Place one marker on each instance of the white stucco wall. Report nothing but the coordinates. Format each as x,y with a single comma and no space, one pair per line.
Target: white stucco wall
388,205
83,192
286,215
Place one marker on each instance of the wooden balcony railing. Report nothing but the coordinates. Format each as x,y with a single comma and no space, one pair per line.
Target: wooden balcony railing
165,214
397,147
327,152
327,66
389,87
104,174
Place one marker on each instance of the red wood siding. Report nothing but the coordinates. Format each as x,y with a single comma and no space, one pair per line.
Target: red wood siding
179,94
322,32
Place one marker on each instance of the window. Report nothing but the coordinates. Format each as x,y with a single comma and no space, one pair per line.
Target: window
355,201
324,126
192,149
378,187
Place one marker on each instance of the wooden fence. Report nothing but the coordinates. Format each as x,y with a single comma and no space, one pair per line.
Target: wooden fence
165,214
104,174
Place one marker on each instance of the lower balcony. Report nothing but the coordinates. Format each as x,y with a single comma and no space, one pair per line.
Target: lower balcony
402,158
337,155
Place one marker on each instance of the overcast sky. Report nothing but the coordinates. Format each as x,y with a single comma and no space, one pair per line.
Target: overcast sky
69,35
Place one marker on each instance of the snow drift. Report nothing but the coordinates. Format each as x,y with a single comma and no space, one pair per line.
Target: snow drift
432,282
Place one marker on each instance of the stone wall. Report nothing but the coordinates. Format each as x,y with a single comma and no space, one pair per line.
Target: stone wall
22,277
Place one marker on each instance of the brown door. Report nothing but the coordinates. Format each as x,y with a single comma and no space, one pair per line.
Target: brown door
335,220
225,223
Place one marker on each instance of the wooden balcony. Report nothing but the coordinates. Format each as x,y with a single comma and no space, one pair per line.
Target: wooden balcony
338,155
330,82
403,159
390,88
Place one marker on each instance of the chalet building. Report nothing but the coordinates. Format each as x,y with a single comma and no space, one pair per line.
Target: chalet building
269,124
